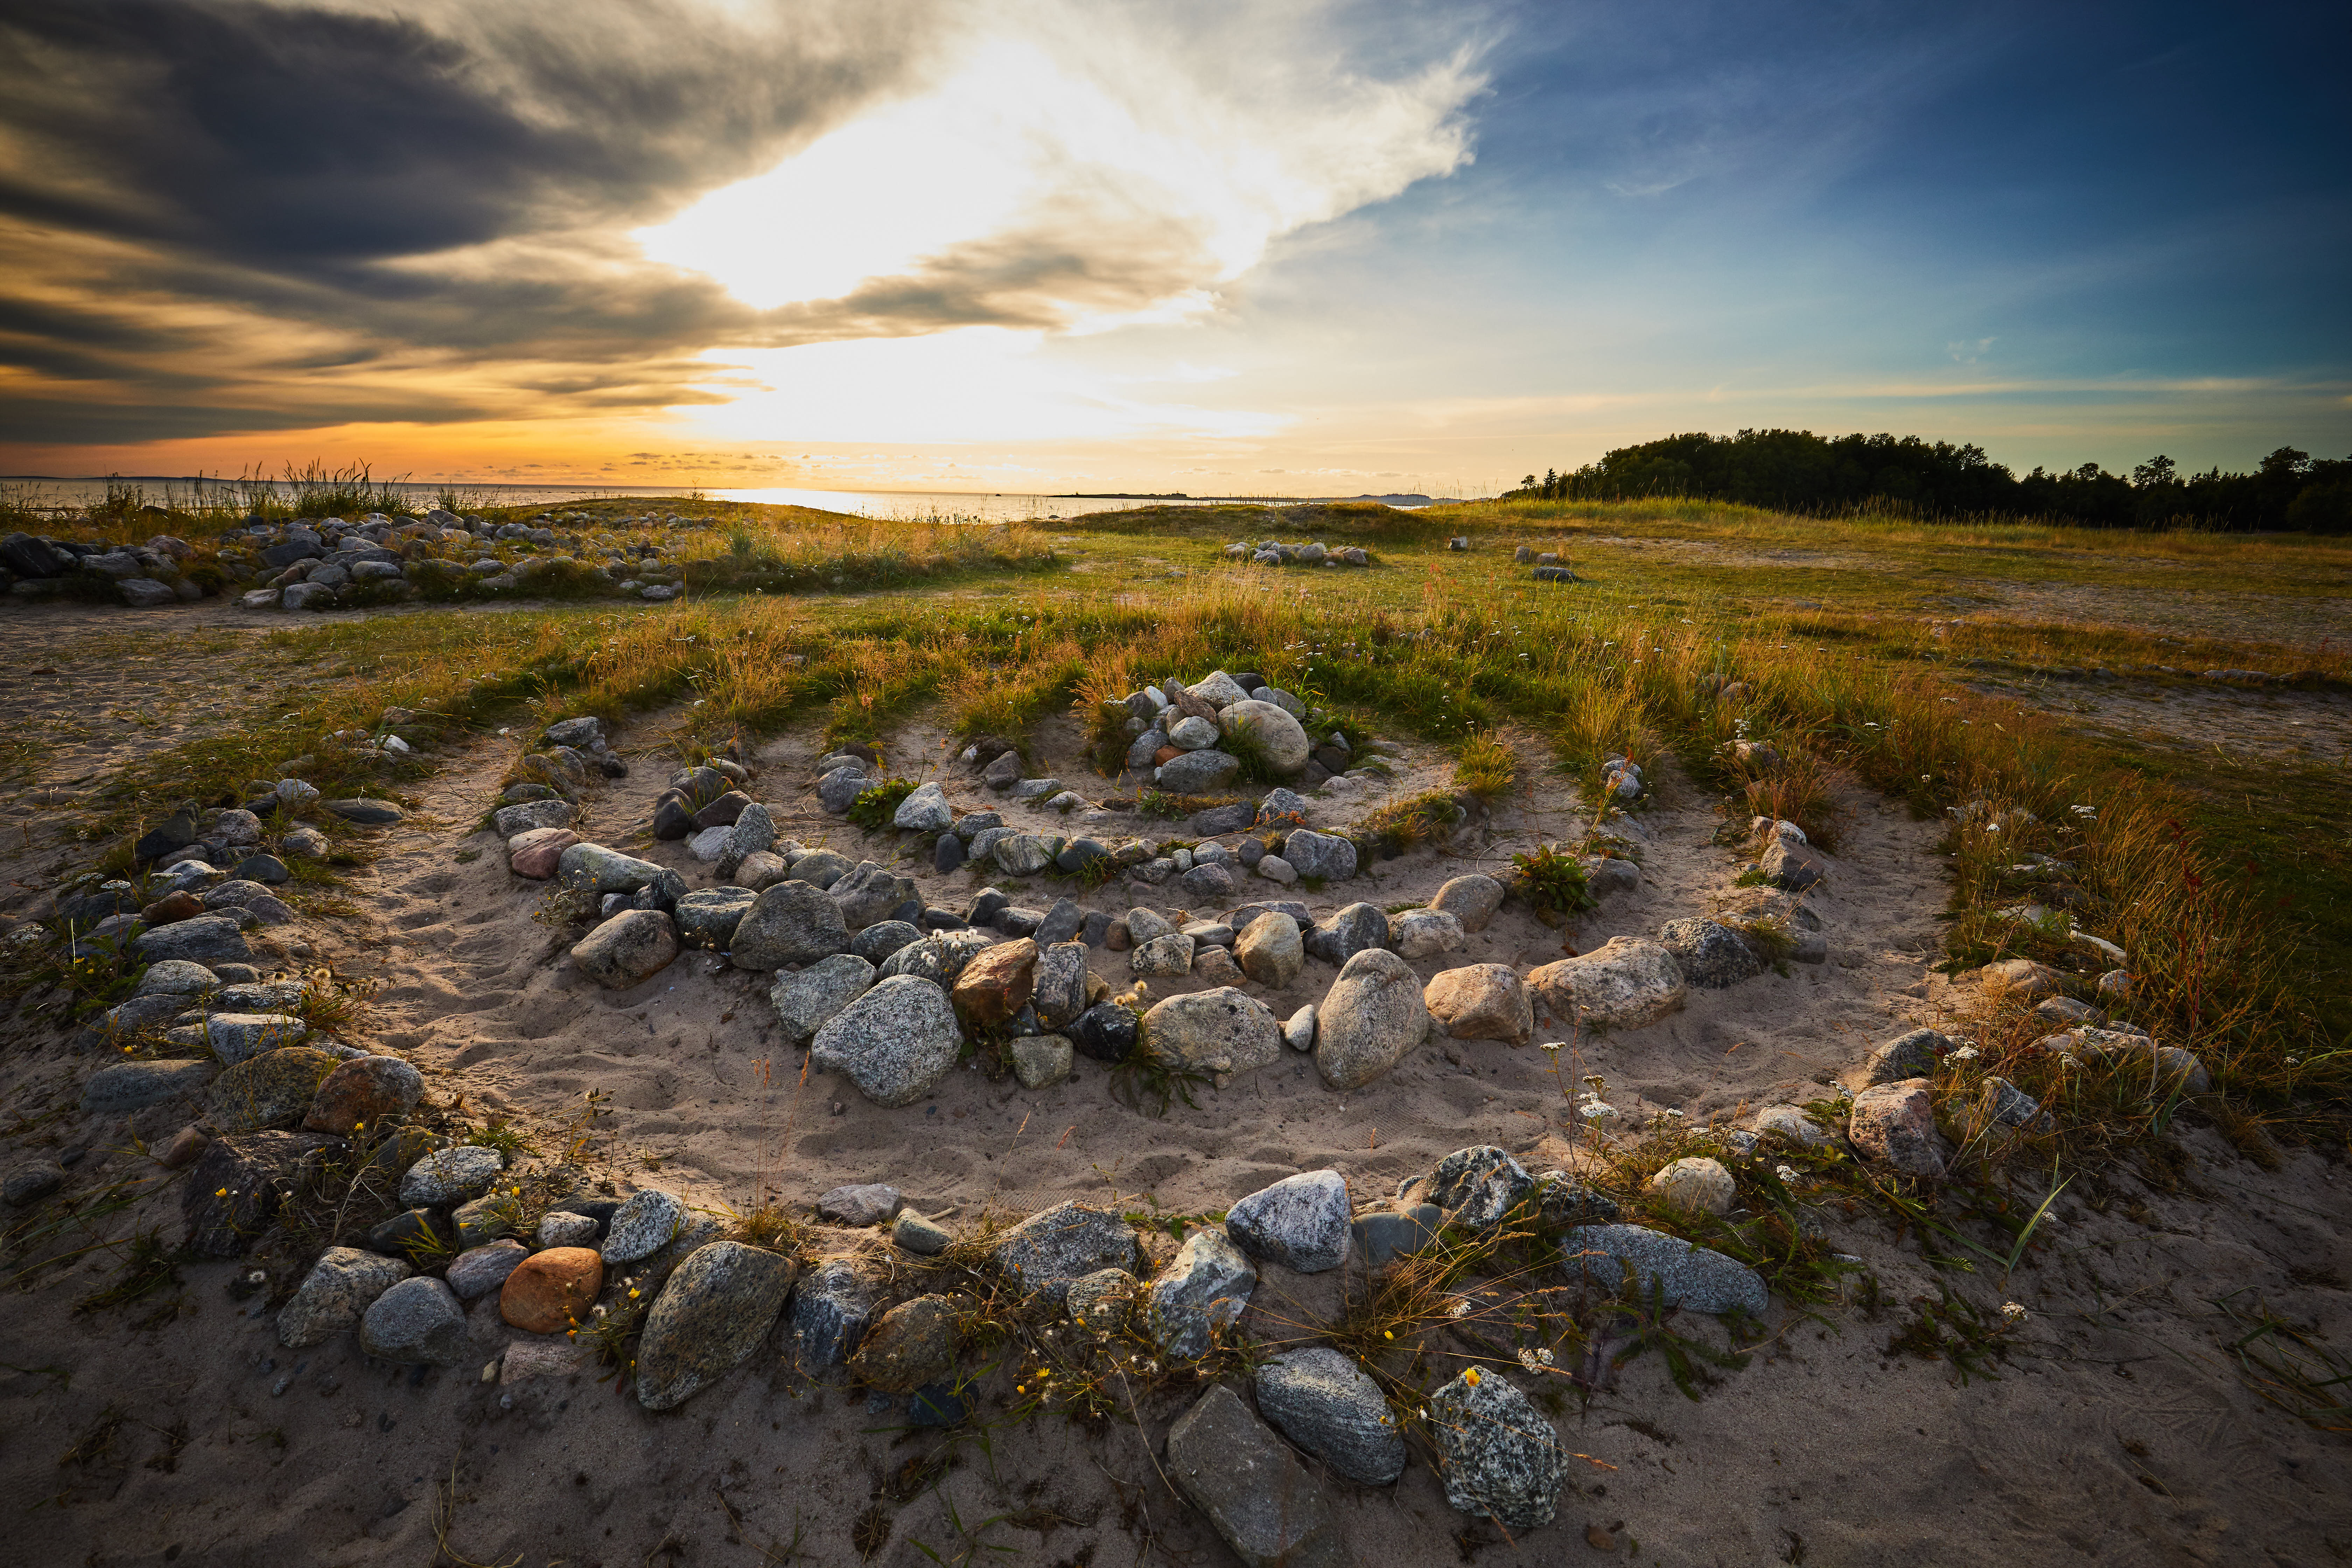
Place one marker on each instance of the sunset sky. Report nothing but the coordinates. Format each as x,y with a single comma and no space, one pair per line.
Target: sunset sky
1257,248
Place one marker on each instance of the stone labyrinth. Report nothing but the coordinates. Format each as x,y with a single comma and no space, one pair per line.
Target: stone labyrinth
856,1053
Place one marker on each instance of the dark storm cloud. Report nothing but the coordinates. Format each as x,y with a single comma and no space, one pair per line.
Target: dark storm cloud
297,162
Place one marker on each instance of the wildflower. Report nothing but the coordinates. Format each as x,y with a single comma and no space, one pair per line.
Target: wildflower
1553,1047
2013,1313
1471,1377
221,1193
1459,1309
1388,1334
1965,1054
1785,1173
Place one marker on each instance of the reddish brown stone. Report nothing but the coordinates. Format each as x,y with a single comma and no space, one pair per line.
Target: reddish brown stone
362,1093
181,1150
1165,755
1895,1123
550,1292
535,853
995,983
177,906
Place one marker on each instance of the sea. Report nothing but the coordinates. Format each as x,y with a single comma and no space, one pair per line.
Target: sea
36,492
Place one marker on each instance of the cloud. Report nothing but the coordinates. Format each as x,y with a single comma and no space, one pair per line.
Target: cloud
226,215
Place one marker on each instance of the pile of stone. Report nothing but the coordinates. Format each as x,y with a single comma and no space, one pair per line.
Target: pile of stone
1549,566
1269,552
144,576
313,562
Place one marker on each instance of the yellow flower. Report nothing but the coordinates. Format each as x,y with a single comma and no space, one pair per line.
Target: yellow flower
1388,1334
1020,1388
222,1193
1471,1377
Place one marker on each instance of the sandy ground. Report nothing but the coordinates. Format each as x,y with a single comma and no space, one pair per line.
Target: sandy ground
2117,1432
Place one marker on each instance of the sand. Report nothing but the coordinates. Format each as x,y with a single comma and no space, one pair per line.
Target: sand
2117,1431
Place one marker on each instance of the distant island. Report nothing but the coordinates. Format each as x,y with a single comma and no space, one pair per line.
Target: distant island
1180,495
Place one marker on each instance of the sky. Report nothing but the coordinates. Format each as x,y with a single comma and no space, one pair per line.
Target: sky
1268,248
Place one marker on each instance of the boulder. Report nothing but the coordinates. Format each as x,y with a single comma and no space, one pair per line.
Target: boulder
131,1086
924,810
273,1090
1199,772
1104,1032
860,1204
2022,981
1045,1253
1694,1183
362,1094
1320,856
1915,1054
1041,1061
202,939
938,958
1162,957
1358,928
806,1002
1895,1124
416,1322
512,822
839,790
1424,934
912,1344
895,1042
1269,949
829,1315
708,919
1791,1123
1222,1031
712,1313
1501,1458
1300,1222
1298,1030
1279,737
1371,1017
1263,1503
649,1220
1203,1289
1058,988
791,923
447,1176
1473,900
626,949
1478,1186
480,1270
1624,984
552,1290
538,852
997,983
240,1036
1792,864
1481,1002
1329,1408
602,871
342,1286
1022,854
1710,956
1696,1278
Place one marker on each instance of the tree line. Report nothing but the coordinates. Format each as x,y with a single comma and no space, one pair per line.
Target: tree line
1796,470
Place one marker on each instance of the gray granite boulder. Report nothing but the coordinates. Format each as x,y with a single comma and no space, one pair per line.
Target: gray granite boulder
1356,928
603,870
416,1322
447,1176
1262,1501
1473,900
645,1224
1478,1186
791,923
201,939
130,1086
1320,856
829,1314
1371,1017
1502,1458
938,958
709,918
1222,1031
712,1313
1915,1054
1046,1252
895,1042
1300,1222
342,1285
1696,1278
1199,772
806,1002
1203,1289
1711,956
1330,1407
627,950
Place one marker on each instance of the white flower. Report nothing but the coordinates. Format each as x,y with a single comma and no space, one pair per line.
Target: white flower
1553,1047
1786,1172
1459,1309
1965,1054
2013,1313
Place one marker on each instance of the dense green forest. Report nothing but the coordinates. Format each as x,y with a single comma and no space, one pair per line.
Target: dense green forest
1796,470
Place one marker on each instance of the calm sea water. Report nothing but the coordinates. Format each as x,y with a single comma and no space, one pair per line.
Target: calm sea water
890,504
